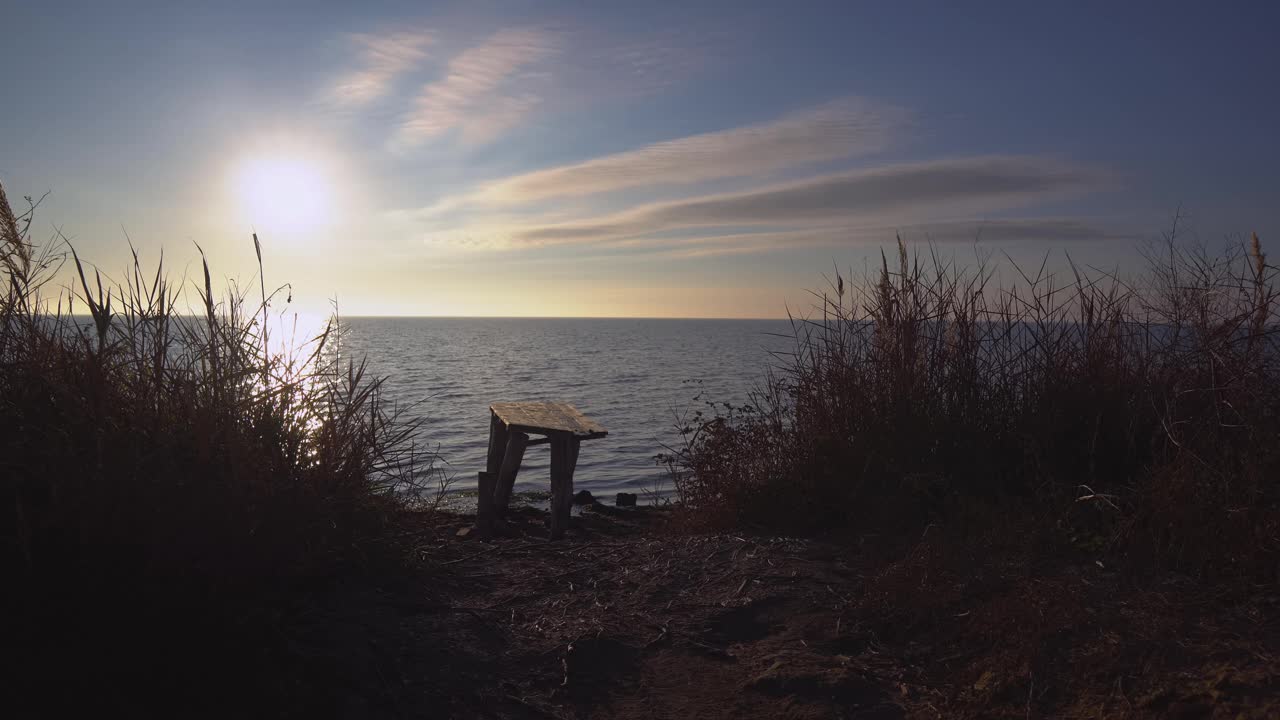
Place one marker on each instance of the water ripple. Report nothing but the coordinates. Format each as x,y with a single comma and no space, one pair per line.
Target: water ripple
631,375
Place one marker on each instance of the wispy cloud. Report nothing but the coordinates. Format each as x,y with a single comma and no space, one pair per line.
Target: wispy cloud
1045,231
838,130
637,62
383,58
1016,231
896,193
499,115
475,94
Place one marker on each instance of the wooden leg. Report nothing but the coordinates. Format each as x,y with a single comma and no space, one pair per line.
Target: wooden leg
574,445
566,508
497,444
511,459
561,484
484,506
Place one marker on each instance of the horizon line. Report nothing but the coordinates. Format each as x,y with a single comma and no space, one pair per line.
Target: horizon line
553,317
342,316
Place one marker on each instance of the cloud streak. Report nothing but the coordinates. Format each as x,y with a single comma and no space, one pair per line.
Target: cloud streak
473,96
384,58
1049,231
896,193
838,130
636,62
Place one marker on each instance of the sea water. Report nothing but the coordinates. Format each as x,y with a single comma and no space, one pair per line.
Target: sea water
637,377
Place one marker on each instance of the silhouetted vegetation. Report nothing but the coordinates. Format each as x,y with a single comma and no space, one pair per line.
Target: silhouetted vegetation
1132,419
173,483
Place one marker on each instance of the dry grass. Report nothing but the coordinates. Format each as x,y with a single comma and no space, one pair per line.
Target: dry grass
171,480
1137,417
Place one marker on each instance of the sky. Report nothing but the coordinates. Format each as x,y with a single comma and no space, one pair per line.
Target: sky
632,159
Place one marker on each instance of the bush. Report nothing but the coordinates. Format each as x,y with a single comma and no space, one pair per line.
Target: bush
1140,415
170,481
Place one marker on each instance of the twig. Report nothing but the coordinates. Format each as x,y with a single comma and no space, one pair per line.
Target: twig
539,710
472,557
1031,692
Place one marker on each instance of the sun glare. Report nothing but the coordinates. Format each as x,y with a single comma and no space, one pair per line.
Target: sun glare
283,194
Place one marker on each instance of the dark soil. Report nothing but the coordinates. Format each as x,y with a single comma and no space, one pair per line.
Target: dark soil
626,619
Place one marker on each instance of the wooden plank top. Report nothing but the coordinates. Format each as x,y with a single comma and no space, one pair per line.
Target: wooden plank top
546,418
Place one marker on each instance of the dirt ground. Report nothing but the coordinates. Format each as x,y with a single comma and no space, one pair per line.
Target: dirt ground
627,619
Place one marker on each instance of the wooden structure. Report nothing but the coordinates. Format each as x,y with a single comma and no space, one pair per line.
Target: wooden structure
510,425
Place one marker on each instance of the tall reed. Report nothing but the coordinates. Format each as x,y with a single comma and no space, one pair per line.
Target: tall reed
167,468
927,386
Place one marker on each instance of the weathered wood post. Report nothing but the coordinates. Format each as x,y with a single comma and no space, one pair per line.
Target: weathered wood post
497,443
511,460
575,444
484,505
561,484
564,460
485,511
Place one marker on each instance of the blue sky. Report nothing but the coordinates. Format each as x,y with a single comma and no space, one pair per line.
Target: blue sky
650,159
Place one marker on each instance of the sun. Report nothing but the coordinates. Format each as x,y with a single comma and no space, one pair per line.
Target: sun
284,194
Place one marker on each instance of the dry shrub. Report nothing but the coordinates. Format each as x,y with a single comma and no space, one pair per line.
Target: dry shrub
1143,415
173,482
